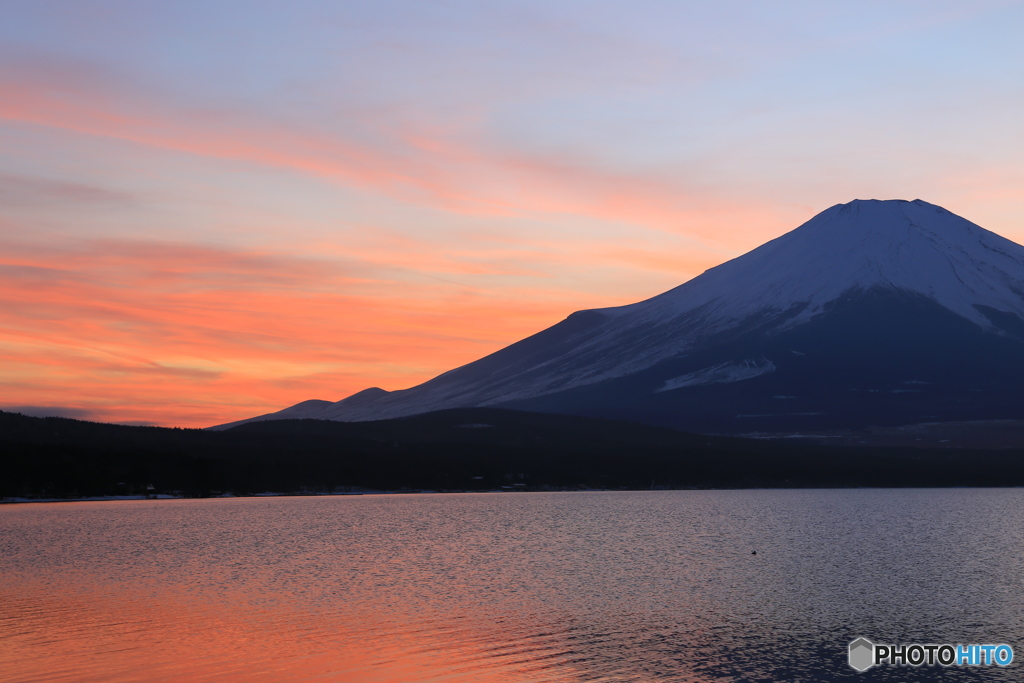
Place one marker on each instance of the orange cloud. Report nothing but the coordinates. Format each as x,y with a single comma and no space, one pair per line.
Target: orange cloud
193,335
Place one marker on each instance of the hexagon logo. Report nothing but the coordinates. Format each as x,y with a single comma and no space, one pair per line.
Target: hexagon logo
862,654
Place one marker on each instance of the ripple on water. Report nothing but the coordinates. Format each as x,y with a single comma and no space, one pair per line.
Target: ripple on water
637,586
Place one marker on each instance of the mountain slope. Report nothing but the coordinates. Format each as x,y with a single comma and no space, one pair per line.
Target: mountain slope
872,312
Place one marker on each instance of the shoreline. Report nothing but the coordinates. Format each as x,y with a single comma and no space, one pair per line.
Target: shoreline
16,500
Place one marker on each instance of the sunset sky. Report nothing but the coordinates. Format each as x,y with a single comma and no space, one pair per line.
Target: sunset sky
211,210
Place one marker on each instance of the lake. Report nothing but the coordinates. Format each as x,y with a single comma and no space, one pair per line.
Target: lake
517,587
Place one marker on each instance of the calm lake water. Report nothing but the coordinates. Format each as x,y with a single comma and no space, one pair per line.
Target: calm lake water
601,586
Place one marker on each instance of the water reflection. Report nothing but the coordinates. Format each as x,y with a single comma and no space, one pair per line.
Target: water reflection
515,587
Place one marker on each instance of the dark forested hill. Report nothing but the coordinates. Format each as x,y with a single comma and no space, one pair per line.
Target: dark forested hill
451,450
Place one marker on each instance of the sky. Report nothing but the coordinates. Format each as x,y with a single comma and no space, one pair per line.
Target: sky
212,210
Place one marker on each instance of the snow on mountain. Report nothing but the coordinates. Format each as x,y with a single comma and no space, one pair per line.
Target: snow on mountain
721,374
914,248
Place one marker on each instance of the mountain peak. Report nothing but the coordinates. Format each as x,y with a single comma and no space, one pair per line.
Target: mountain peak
912,246
869,211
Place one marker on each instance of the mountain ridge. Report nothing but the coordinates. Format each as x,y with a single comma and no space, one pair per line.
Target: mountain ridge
902,259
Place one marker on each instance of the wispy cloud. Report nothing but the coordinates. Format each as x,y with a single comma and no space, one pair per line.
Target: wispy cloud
36,191
179,333
452,169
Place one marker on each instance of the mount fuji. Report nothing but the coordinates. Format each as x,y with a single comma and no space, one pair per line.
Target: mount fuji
872,313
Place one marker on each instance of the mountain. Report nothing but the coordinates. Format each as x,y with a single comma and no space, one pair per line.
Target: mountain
872,313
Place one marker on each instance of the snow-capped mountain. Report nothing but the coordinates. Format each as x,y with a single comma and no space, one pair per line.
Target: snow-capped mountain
872,312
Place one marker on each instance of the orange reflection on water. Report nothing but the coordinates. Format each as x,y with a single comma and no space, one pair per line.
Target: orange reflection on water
92,634
524,588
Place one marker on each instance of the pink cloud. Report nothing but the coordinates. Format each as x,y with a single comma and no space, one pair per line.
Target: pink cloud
452,170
